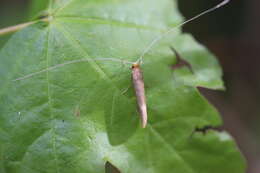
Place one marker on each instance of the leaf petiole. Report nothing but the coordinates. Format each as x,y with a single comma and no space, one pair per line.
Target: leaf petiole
18,27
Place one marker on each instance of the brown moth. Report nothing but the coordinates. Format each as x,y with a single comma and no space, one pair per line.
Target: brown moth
138,83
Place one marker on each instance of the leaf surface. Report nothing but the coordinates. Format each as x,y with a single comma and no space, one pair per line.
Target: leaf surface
78,116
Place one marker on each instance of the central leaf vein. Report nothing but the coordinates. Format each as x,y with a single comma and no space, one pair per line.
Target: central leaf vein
50,102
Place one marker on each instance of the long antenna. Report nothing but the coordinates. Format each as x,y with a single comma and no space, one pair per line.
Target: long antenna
71,62
140,59
178,26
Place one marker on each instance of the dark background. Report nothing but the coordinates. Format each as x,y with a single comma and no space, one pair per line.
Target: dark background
232,34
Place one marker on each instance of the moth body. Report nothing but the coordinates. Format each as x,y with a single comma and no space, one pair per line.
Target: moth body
138,83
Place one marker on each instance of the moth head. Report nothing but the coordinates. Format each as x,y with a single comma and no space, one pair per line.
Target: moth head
135,65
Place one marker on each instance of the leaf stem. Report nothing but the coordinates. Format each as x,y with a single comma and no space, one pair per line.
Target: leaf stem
18,27
15,28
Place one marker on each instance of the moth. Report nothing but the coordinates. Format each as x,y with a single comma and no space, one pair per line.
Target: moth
138,83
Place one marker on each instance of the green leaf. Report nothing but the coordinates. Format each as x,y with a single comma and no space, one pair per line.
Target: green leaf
78,116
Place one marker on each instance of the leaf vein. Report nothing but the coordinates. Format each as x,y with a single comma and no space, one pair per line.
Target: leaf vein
97,67
156,133
98,20
50,103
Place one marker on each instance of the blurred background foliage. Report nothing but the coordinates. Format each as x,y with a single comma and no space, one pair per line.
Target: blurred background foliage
232,34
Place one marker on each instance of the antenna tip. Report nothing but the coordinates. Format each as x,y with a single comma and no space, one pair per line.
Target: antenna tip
223,3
